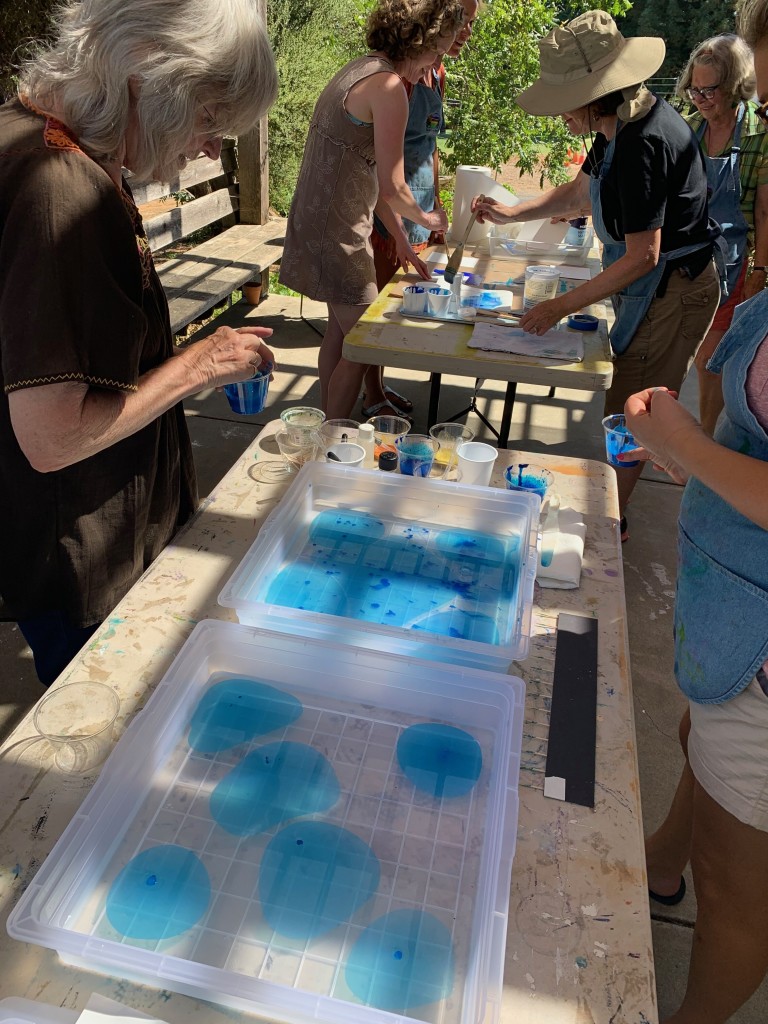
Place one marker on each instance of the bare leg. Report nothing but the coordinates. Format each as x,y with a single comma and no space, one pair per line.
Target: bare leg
710,386
668,850
373,382
340,379
729,958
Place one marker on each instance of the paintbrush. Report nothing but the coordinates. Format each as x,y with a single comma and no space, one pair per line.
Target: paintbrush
458,253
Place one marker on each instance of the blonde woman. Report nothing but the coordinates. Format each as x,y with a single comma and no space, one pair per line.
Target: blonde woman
352,161
719,80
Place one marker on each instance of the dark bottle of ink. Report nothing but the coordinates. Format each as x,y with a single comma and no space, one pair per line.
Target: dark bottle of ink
388,461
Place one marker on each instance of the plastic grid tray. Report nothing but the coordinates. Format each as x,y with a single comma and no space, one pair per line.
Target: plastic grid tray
414,517
450,857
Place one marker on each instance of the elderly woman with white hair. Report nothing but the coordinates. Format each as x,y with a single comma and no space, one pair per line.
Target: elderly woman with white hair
718,819
96,471
719,79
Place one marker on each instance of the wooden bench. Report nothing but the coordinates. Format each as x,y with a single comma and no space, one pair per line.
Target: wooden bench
203,275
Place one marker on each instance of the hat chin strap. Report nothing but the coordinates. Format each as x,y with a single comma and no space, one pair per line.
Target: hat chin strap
637,102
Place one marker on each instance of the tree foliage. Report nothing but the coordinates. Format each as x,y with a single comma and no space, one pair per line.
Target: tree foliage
21,23
500,60
682,23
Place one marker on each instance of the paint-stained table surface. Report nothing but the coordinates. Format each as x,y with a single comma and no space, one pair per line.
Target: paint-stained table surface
579,936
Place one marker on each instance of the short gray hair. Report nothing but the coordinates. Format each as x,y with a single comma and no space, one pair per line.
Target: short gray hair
180,53
732,60
752,20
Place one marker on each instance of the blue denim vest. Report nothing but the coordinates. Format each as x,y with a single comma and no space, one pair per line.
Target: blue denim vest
721,609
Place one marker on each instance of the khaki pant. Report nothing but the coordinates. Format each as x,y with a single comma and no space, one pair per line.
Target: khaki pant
664,346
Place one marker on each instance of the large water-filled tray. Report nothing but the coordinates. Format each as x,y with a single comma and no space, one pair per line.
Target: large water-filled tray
299,829
450,565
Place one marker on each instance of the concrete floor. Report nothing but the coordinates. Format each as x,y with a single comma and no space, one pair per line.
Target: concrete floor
569,424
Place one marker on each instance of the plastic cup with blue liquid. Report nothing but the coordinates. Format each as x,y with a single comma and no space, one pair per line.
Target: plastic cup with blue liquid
247,397
416,453
618,439
524,476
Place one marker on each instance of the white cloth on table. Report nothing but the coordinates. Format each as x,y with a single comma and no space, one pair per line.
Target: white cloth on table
562,551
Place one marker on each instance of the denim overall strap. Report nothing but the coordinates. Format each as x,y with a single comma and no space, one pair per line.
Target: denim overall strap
631,304
721,608
425,122
724,195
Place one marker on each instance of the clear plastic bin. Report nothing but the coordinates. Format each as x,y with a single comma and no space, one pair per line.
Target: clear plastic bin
446,856
448,564
505,245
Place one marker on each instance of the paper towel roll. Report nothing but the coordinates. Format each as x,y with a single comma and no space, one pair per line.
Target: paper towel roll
472,181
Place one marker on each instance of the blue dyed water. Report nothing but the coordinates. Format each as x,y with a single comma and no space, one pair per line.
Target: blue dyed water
277,782
454,583
416,457
439,759
160,893
618,440
401,961
313,877
235,710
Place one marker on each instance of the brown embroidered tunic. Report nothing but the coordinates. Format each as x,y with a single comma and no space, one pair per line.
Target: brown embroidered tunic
79,301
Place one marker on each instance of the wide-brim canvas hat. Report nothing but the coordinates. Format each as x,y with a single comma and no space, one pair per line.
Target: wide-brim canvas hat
588,58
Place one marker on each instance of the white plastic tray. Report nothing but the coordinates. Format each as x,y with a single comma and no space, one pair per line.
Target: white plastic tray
414,567
448,857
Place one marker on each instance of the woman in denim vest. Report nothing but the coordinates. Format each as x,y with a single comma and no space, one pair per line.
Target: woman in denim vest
719,816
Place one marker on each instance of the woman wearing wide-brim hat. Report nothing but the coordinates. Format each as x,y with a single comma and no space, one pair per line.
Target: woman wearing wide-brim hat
645,185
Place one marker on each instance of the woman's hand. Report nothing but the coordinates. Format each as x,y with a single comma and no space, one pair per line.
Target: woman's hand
436,220
754,283
228,356
406,256
543,316
664,427
491,211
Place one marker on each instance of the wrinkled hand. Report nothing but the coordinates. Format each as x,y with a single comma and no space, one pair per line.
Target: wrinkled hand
491,211
542,317
436,220
657,420
407,256
228,356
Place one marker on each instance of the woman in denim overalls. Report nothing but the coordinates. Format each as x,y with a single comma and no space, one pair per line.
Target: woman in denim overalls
719,80
719,816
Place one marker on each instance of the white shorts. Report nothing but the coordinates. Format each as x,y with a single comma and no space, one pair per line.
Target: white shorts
728,753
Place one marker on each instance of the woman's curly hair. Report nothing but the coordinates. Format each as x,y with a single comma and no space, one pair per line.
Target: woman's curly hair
406,28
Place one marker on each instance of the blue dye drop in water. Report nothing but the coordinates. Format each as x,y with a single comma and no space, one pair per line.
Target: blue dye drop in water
277,782
235,710
401,961
440,759
160,893
313,877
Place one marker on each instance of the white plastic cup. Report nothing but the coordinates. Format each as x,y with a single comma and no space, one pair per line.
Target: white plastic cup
414,299
476,461
541,285
438,300
348,453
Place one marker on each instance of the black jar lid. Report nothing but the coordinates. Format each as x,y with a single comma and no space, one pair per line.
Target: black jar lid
388,461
